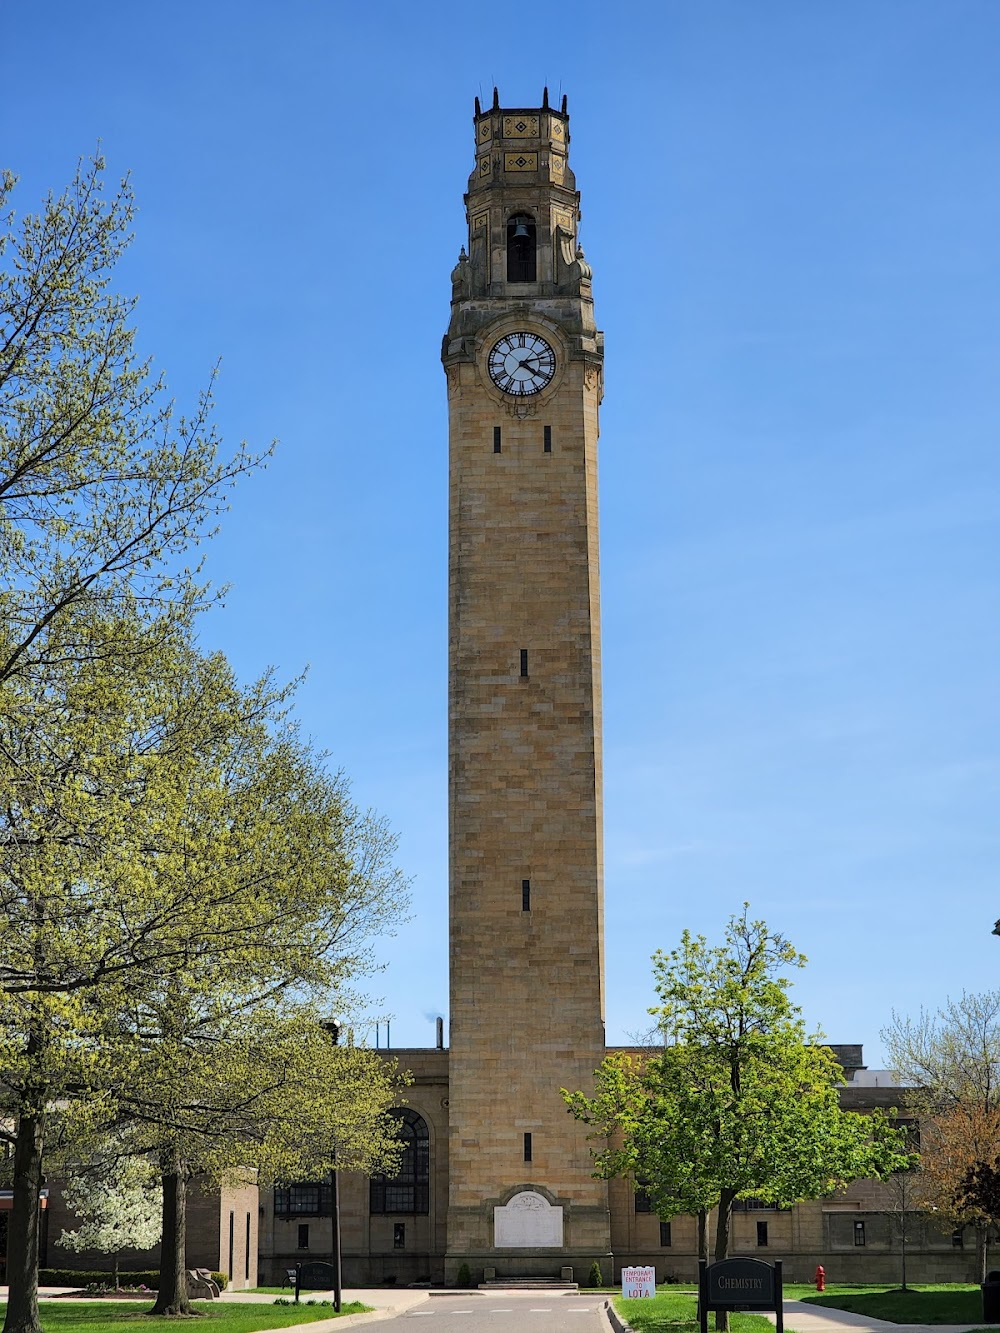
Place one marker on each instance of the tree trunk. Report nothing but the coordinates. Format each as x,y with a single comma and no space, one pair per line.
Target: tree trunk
172,1297
703,1234
722,1243
25,1225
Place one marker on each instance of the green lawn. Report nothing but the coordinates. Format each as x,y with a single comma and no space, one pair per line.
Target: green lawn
926,1303
676,1311
940,1303
96,1316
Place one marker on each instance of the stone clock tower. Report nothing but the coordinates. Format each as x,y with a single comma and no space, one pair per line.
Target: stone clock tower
523,360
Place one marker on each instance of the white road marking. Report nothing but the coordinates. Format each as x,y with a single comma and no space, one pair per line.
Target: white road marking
538,1309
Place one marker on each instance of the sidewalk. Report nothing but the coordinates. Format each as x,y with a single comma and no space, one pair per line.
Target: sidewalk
804,1317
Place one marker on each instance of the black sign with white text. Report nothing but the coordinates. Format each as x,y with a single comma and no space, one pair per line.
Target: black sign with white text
739,1284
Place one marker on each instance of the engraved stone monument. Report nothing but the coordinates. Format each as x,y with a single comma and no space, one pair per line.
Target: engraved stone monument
528,1220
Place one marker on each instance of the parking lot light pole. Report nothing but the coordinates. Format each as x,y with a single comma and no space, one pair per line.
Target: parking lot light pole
333,1028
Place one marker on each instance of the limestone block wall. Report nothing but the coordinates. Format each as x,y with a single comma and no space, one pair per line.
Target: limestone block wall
525,780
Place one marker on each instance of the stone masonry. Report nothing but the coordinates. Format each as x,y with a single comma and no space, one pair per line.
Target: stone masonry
525,795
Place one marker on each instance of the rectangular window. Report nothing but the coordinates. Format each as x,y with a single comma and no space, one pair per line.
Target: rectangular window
399,1235
665,1234
761,1233
524,662
303,1200
643,1203
859,1233
527,1147
303,1242
246,1256
496,439
547,436
232,1245
956,1238
525,895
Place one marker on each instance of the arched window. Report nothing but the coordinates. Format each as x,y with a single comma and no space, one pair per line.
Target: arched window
521,248
408,1191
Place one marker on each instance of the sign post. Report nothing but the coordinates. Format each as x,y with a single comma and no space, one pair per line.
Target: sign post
638,1282
739,1284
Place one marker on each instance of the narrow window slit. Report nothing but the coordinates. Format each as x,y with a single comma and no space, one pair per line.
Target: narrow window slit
524,661
527,1147
525,895
547,440
496,439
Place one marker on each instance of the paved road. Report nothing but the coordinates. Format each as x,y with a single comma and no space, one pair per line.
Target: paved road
507,1312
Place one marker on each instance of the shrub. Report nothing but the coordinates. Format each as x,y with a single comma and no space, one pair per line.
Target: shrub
595,1278
464,1278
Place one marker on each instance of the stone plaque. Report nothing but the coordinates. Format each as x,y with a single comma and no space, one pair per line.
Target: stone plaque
528,1221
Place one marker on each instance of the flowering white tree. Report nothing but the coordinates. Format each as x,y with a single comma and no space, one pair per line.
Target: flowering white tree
119,1205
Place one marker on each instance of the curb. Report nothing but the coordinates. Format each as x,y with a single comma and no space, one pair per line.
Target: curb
615,1319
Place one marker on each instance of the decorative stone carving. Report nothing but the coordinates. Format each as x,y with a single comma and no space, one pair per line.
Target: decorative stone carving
528,1221
461,279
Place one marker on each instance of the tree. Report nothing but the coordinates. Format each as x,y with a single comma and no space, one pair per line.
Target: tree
740,1101
119,1205
905,1197
173,839
952,1060
103,492
265,1091
960,1160
104,489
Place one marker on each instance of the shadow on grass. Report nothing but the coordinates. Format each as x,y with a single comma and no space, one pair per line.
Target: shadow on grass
953,1306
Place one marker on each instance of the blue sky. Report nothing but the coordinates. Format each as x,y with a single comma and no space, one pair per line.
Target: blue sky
792,212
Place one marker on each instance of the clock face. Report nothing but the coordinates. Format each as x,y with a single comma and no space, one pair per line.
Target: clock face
521,364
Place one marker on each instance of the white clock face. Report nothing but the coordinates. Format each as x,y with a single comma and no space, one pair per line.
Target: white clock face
521,364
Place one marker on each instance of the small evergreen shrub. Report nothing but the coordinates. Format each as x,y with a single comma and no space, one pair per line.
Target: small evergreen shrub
464,1278
595,1278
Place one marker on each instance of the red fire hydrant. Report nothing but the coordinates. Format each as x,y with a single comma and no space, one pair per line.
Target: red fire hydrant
820,1278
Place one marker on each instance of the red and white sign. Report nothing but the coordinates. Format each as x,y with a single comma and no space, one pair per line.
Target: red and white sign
638,1282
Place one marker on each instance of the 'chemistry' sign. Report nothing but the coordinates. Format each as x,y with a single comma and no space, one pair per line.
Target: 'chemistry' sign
739,1284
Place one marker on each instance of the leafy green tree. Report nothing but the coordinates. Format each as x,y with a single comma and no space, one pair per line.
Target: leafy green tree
739,1101
260,1091
104,489
172,839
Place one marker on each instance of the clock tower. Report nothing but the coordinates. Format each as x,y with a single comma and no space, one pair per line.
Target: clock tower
523,360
